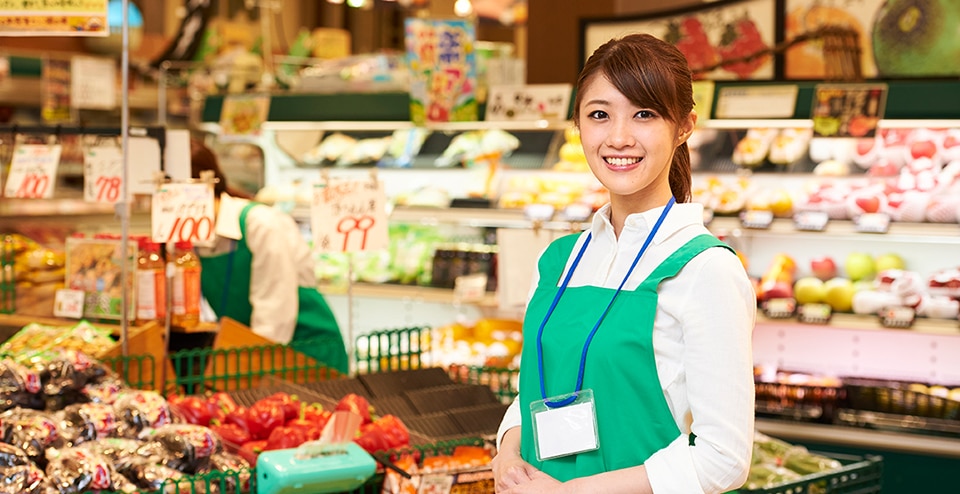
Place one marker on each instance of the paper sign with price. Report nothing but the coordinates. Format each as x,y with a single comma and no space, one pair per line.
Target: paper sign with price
102,174
183,213
33,171
349,216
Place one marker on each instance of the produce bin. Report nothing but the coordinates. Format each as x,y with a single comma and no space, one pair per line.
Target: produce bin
421,452
859,475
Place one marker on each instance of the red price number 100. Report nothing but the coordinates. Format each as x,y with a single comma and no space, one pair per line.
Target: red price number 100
34,186
189,229
108,189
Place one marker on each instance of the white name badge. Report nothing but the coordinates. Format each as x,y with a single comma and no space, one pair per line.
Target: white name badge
566,430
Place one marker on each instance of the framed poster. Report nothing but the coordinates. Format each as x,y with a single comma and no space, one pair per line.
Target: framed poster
806,60
707,36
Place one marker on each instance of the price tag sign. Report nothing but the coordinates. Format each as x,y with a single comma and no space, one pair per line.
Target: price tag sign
814,313
759,220
102,174
183,213
470,288
68,303
897,317
779,308
873,223
529,102
33,171
811,221
349,215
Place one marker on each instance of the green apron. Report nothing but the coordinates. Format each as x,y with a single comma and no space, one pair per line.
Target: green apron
633,418
227,288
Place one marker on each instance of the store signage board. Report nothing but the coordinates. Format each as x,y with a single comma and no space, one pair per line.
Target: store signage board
53,18
443,69
183,213
242,115
33,171
102,174
93,83
773,101
703,100
55,78
349,215
848,110
530,102
68,303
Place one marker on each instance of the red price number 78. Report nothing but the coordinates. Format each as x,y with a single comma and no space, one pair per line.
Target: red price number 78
108,188
34,186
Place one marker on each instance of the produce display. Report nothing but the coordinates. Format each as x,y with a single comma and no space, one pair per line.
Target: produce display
484,343
777,462
70,425
466,469
82,336
39,272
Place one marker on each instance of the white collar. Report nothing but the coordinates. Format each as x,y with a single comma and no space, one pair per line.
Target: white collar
228,217
681,216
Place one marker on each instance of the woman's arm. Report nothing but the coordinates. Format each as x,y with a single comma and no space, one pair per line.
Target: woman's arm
274,240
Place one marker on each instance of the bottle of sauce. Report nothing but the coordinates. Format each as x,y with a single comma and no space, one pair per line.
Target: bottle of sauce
151,283
186,286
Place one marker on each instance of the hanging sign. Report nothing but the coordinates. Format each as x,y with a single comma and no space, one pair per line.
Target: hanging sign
443,76
183,213
848,110
243,114
53,18
93,83
102,174
33,171
349,215
528,102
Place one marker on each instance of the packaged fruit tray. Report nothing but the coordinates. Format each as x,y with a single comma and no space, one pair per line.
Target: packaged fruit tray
798,402
900,398
858,475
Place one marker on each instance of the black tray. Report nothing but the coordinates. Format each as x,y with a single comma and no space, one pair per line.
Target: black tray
434,425
479,420
443,398
393,405
335,389
394,383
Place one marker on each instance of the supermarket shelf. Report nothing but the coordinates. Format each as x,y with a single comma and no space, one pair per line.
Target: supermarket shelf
858,437
493,218
53,207
346,126
836,228
26,91
802,123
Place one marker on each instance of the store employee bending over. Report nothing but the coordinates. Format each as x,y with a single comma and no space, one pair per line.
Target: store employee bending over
260,272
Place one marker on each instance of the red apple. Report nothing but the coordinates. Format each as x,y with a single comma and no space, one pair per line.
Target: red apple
923,149
869,204
779,289
823,267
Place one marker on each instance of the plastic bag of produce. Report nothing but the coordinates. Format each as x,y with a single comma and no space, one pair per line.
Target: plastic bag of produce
77,470
82,422
764,475
139,410
32,431
18,385
804,462
22,479
147,474
184,447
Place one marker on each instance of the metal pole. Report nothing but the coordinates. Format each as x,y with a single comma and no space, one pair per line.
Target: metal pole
124,203
162,94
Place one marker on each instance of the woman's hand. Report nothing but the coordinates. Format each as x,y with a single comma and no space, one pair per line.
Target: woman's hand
509,469
538,482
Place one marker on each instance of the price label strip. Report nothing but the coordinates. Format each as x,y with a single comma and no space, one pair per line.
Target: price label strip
183,213
33,171
758,220
102,174
815,221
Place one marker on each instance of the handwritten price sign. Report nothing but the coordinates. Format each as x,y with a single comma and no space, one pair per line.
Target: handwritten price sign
102,174
33,171
349,216
183,213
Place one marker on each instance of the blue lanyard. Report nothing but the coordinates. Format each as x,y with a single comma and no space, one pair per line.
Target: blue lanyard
556,299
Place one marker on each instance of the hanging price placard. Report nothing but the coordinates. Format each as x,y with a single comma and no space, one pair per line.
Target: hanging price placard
183,213
102,174
349,215
33,171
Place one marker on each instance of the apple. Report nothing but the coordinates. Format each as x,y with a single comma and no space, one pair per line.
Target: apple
869,204
859,266
823,267
839,294
779,289
887,261
809,290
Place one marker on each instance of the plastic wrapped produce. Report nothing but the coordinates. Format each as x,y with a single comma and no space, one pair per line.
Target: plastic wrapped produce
84,422
32,431
22,479
139,410
78,470
17,385
147,474
184,447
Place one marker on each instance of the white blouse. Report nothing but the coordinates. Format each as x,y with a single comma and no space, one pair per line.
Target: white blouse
702,345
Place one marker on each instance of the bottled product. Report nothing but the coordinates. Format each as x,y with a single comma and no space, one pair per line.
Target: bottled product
186,286
151,282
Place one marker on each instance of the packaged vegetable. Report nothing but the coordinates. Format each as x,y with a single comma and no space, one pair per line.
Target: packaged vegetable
84,422
77,470
138,410
32,431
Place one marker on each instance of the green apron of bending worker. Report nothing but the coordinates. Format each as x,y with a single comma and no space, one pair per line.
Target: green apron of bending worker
226,286
633,418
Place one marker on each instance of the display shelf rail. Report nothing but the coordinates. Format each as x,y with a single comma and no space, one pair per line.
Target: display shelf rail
803,123
864,438
349,126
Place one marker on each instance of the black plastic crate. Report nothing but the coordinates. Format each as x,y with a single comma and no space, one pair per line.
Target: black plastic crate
247,397
393,405
479,420
858,475
396,382
335,389
443,398
434,425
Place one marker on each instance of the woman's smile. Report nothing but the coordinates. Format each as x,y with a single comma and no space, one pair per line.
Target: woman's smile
622,163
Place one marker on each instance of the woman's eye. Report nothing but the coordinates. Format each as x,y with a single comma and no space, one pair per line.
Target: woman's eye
598,114
644,114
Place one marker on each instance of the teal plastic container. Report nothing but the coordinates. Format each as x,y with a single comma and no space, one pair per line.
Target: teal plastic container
342,468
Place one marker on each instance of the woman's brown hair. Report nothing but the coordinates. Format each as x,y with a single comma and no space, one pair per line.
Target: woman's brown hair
652,74
202,158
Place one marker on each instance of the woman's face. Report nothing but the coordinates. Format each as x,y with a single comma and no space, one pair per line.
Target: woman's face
629,148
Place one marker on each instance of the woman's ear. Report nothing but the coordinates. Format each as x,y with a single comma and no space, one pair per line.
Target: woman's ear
686,126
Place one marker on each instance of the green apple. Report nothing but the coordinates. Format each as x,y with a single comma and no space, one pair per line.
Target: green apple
839,294
917,38
887,261
860,266
809,290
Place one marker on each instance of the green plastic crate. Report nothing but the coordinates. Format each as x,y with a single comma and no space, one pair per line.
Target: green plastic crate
138,371
859,475
392,350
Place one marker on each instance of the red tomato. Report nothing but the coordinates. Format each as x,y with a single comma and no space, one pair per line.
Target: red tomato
356,404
